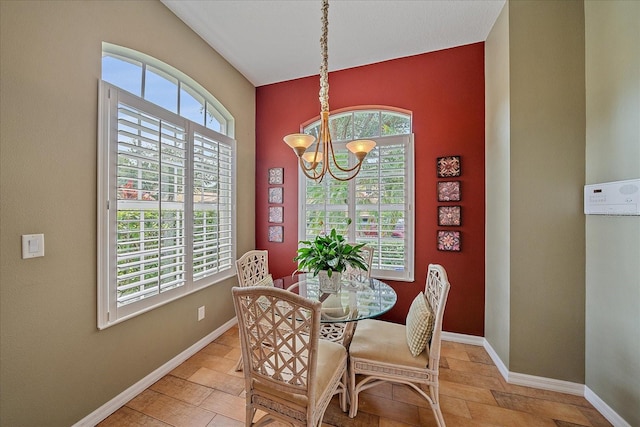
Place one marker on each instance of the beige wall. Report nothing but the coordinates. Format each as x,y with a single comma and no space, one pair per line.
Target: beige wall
56,367
497,137
574,310
50,349
613,243
546,51
535,258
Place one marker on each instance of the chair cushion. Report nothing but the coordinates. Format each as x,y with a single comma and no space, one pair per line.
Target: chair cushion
419,328
385,342
265,281
331,357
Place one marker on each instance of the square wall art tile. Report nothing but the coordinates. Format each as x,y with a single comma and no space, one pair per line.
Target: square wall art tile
449,241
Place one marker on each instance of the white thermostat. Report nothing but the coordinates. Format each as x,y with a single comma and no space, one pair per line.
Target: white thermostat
613,198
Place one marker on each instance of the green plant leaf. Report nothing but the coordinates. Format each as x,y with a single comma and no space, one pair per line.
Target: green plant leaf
330,252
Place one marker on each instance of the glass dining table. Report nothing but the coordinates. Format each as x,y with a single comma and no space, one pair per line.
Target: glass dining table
357,299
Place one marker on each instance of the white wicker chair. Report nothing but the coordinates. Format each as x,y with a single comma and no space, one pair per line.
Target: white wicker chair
357,273
343,332
252,269
379,351
289,372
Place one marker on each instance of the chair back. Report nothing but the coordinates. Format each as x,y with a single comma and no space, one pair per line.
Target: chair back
352,273
252,267
279,333
436,292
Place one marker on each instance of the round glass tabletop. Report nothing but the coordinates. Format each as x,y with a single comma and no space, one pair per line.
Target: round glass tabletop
355,300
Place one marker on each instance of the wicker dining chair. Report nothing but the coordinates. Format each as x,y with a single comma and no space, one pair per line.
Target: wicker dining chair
289,372
252,269
340,331
388,352
353,273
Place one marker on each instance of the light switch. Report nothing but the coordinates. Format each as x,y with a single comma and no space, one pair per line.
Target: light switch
32,245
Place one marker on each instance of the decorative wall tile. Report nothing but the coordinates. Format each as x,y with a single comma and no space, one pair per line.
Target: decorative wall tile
449,216
276,176
276,195
276,214
448,191
449,241
276,233
448,166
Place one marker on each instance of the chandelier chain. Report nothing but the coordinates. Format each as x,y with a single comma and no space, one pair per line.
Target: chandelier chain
323,153
324,67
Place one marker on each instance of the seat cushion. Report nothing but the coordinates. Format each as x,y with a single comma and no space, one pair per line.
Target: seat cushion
265,281
385,342
419,325
331,357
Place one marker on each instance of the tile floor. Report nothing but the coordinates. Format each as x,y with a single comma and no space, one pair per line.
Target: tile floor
206,391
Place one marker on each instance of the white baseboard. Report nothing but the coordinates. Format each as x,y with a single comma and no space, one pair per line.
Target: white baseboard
540,382
543,383
606,411
502,368
511,377
462,338
532,380
120,400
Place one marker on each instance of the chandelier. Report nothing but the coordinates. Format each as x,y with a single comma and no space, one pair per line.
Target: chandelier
317,162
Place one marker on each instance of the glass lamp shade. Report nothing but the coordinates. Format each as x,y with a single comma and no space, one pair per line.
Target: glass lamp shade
299,142
361,147
311,157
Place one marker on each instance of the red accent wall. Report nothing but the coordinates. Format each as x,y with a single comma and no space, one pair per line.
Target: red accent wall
445,92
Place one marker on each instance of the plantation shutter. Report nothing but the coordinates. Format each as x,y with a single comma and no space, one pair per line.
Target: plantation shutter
150,180
326,204
379,202
383,190
212,206
167,223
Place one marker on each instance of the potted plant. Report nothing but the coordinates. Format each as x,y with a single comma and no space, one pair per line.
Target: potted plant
327,257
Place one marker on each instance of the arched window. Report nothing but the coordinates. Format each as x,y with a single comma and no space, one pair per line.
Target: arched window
379,201
165,86
166,186
360,124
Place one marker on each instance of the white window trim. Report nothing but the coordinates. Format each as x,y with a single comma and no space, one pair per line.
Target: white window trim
108,312
409,220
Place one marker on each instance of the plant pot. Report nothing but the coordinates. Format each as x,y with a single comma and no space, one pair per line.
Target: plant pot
328,284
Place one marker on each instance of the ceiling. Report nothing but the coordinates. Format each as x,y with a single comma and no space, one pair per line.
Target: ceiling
270,41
